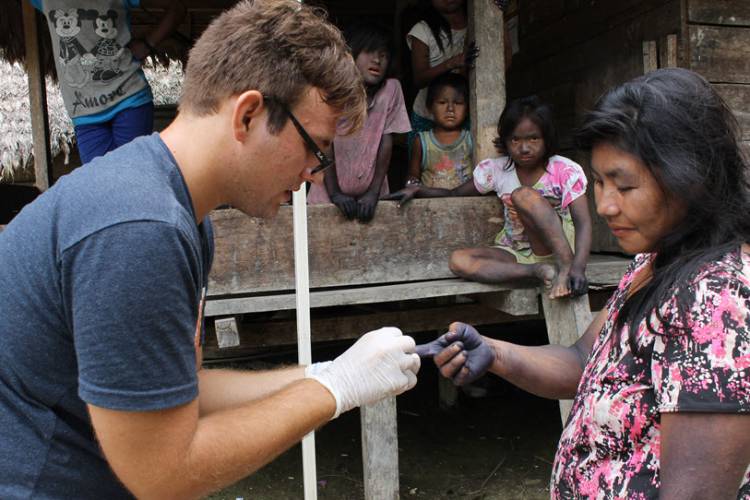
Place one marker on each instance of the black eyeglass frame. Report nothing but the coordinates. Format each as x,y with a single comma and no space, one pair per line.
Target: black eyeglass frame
324,162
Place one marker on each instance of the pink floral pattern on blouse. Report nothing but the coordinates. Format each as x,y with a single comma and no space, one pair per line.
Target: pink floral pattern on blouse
610,445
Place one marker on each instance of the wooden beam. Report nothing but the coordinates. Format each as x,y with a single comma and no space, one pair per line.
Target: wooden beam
600,272
668,51
37,100
650,58
727,12
407,244
720,54
268,334
487,78
380,450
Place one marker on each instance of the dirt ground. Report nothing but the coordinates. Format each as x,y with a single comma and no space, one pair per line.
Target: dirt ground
499,446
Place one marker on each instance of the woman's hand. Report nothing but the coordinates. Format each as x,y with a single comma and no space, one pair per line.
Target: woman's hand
403,196
461,355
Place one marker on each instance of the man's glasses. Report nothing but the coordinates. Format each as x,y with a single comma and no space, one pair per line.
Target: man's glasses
324,161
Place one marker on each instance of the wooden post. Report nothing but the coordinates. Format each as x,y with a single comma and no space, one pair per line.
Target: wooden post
650,56
380,450
668,52
37,100
567,320
487,78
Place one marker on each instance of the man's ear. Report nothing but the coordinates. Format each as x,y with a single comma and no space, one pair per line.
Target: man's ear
248,109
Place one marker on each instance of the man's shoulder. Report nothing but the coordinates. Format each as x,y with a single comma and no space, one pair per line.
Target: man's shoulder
137,182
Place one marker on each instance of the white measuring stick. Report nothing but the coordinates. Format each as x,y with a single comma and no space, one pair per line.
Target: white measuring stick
302,285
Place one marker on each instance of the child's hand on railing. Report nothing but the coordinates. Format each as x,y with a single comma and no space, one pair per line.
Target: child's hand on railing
346,204
366,205
403,196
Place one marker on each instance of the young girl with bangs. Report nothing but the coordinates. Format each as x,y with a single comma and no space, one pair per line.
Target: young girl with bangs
547,225
359,177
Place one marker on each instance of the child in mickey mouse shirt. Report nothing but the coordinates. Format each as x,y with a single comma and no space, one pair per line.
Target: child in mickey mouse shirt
99,69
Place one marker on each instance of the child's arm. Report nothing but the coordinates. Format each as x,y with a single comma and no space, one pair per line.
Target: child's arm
422,73
579,211
369,201
345,203
415,162
418,191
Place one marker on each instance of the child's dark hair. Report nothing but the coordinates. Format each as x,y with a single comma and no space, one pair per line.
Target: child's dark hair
436,22
452,80
680,128
366,36
534,109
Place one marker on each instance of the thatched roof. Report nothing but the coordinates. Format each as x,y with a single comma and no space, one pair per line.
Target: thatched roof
16,144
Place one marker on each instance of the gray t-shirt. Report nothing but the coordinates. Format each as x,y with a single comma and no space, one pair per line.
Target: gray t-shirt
101,281
95,68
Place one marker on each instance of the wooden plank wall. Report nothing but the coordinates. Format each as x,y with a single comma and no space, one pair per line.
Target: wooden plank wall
719,34
571,51
408,244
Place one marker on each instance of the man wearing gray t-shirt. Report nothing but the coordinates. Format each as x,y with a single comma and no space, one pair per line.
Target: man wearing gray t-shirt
103,280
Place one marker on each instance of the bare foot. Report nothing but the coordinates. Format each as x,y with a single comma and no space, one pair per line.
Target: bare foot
560,287
546,274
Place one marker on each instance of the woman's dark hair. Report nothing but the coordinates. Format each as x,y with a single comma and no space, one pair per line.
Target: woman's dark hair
436,22
452,80
537,111
680,128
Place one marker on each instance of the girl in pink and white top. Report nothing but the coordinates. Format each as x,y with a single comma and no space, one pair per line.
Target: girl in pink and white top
547,228
359,177
661,378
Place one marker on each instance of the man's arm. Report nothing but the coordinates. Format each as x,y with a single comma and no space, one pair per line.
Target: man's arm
180,453
703,455
175,453
221,389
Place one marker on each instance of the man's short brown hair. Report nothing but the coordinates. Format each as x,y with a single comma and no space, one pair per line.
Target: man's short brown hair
280,48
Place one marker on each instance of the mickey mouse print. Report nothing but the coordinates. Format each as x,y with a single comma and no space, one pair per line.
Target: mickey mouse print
96,69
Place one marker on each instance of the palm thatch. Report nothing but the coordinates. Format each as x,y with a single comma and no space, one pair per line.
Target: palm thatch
16,143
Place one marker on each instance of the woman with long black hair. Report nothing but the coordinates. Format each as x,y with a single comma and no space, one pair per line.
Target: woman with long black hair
661,378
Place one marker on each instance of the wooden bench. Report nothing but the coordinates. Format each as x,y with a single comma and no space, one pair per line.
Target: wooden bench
402,255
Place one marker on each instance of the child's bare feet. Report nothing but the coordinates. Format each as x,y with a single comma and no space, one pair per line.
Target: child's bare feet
546,274
560,286
554,281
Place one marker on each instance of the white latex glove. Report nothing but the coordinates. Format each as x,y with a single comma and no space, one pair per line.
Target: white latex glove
381,363
315,368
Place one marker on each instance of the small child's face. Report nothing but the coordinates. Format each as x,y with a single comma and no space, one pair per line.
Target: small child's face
449,109
372,66
526,144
